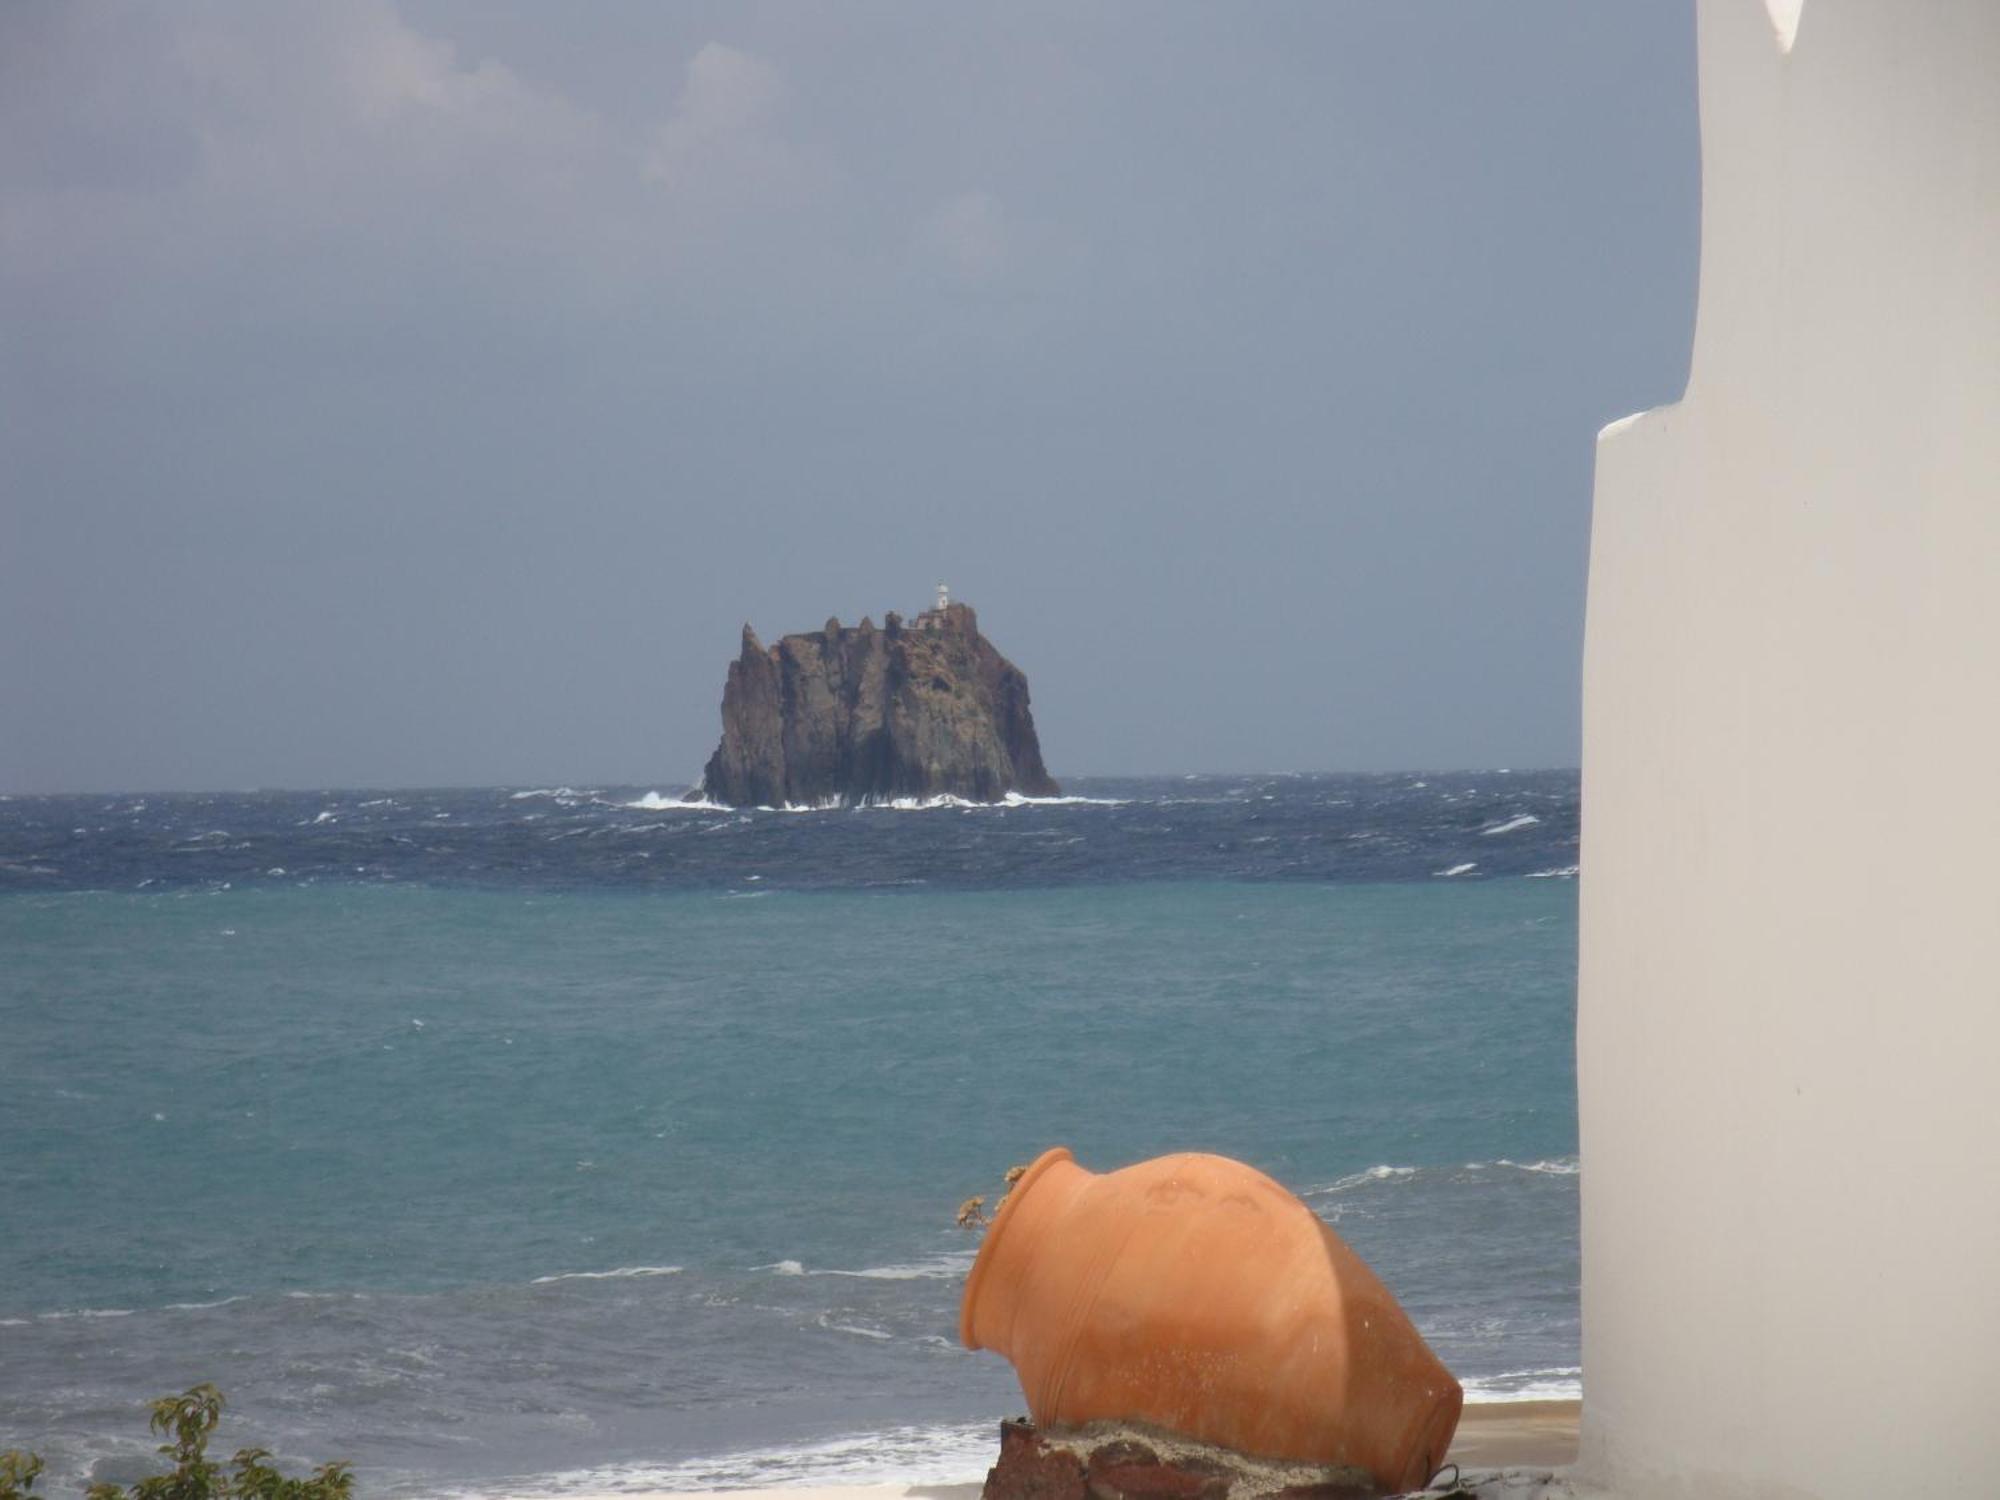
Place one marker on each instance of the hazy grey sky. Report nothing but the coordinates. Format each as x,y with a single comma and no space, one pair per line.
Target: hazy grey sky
426,393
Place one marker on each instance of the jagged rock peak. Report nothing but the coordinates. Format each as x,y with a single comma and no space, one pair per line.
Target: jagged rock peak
923,708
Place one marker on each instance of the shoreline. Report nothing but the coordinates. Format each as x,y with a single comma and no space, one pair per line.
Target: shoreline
1491,1435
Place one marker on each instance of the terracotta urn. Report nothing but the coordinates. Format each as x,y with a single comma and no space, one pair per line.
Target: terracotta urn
1194,1293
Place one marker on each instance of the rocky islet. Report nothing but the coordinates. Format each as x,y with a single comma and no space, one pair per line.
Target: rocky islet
852,715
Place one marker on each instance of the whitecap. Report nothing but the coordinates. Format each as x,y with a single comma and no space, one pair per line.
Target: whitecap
1519,820
825,1320
935,1268
1464,869
1559,1166
950,800
620,1273
903,1456
1016,799
1555,1383
1381,1173
325,817
782,1268
1562,872
654,802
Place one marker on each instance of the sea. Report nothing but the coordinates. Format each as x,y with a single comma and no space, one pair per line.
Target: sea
547,1140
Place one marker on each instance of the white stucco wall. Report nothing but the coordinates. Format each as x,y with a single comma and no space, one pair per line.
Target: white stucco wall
1789,1016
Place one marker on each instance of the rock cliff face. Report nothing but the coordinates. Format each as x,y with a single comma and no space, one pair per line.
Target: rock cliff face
850,715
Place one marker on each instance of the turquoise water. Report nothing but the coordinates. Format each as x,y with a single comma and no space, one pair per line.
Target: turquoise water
462,1182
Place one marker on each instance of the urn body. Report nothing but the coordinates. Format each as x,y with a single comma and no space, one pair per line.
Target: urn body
1194,1293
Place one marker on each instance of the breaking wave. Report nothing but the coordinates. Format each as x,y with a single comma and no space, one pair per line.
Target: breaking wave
931,1268
1360,1179
654,802
621,1273
903,1456
1556,1383
936,1268
1554,1166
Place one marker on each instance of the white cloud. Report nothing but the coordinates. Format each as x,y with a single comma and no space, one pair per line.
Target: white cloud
312,128
335,165
969,235
723,145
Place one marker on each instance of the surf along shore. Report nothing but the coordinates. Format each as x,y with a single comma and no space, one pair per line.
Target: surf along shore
1491,1435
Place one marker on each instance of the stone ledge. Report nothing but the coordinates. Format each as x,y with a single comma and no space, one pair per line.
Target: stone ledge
1122,1461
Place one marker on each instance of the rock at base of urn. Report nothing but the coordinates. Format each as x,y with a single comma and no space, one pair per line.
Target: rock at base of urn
1117,1461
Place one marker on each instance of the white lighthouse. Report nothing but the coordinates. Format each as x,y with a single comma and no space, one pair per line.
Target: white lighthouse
944,598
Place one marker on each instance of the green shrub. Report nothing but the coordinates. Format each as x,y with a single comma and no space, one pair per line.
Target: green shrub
18,1473
188,1419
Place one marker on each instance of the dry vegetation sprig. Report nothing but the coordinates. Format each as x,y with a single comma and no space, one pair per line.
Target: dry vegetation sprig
972,1212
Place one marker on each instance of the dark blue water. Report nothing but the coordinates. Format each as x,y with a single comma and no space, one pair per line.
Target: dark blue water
549,1140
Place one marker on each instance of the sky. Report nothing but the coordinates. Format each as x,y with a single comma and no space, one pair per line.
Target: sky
426,393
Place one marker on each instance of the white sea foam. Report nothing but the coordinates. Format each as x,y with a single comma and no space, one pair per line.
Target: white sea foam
620,1273
548,791
1556,1383
954,1454
1015,799
1012,799
327,816
1561,872
825,1320
1557,1166
654,802
1464,869
935,1268
944,800
782,1268
1520,820
1361,1179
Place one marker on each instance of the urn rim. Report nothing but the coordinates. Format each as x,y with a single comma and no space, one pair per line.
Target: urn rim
983,1262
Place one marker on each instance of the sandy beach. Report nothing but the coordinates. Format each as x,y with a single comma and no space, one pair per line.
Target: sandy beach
1491,1435
1508,1434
